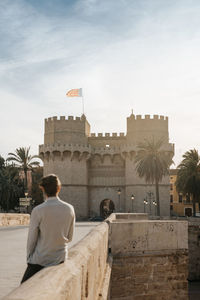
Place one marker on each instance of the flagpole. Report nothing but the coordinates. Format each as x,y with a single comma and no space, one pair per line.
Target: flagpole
82,102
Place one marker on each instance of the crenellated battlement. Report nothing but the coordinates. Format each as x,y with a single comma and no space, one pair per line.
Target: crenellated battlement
107,135
148,117
77,129
64,118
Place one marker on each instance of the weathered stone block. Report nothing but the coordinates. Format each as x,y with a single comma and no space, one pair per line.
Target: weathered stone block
155,258
141,236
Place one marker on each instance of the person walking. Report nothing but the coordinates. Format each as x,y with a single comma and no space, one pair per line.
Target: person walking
51,229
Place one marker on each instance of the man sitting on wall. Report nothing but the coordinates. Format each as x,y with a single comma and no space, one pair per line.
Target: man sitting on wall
51,228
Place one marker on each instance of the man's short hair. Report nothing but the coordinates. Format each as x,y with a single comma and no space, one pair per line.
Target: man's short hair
51,184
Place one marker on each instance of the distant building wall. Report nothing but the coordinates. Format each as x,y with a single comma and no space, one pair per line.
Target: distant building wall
180,204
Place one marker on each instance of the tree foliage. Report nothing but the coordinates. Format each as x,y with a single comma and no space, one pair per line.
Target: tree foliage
188,176
37,195
23,160
152,163
11,187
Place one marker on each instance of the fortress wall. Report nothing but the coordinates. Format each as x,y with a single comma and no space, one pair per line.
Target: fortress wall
14,219
150,261
77,196
111,139
73,173
85,275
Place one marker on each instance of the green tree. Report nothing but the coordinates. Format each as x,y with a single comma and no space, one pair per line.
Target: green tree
152,164
23,160
188,176
37,195
11,187
2,162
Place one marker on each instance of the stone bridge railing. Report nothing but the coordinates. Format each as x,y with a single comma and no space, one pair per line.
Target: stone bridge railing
14,219
125,257
85,275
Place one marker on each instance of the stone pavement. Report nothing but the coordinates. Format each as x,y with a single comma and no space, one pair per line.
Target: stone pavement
13,253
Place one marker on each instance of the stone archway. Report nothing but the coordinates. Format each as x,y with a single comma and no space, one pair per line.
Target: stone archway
106,208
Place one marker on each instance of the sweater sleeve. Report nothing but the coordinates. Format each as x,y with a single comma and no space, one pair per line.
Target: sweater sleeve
33,233
71,229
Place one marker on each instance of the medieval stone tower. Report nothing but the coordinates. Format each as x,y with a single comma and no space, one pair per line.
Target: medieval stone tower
97,171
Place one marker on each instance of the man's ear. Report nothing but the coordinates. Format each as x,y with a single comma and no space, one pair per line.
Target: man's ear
59,188
41,187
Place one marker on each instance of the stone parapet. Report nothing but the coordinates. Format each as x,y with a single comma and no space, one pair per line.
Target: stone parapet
194,249
150,260
147,236
85,275
123,217
64,147
107,135
148,117
14,219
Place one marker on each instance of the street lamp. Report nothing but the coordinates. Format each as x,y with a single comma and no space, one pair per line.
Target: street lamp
132,198
145,203
26,194
119,193
150,197
155,203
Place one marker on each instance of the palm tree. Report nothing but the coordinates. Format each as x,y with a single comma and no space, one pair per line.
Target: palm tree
23,160
188,176
152,164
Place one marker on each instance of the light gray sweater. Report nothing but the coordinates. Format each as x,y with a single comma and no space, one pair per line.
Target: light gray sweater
51,228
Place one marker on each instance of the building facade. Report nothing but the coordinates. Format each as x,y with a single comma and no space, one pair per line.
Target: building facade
180,205
97,171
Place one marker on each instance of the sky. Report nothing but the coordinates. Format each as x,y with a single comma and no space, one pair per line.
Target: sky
125,54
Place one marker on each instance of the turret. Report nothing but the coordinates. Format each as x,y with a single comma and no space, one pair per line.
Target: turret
139,128
65,131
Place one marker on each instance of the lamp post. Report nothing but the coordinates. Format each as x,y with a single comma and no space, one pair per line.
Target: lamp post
132,198
150,197
145,203
155,204
119,193
26,194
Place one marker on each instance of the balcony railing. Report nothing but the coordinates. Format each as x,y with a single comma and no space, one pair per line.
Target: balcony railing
187,201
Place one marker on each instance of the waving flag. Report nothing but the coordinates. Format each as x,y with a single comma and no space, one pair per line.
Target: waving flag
75,93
